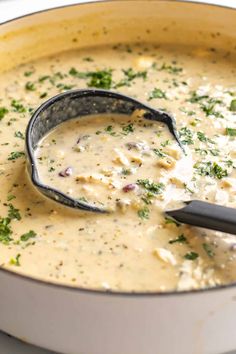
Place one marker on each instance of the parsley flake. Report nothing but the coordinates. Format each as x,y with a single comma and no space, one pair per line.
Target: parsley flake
28,235
180,239
191,256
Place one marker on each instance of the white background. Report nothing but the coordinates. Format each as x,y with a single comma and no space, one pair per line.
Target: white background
14,8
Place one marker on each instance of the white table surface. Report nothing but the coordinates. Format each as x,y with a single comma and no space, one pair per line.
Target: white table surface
14,8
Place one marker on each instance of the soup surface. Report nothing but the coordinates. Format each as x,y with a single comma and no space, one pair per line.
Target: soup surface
130,164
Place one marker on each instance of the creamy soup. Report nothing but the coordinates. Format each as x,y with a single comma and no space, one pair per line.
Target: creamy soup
132,165
102,159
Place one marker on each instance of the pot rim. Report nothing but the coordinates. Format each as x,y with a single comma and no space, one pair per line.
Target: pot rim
113,293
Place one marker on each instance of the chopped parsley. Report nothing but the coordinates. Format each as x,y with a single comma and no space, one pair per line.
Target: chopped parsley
30,86
89,59
109,130
43,95
44,78
159,153
180,239
211,169
13,213
186,136
191,256
10,197
207,248
15,261
214,152
18,106
5,227
28,73
232,106
5,231
126,171
15,155
3,112
202,137
171,69
195,98
143,213
207,104
231,131
19,135
129,76
147,198
78,74
155,188
209,107
100,79
189,113
128,129
64,87
165,143
157,93
28,235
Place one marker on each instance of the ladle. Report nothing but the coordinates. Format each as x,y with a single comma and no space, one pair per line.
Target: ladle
80,103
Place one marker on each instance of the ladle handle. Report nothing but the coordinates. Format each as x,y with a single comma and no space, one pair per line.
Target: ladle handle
207,215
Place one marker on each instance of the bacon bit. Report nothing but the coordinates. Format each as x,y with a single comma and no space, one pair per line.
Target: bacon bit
129,187
66,173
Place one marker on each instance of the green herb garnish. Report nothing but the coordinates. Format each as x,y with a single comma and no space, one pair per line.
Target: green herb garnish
10,197
30,86
171,69
18,107
19,135
144,213
155,188
3,112
130,75
207,248
109,130
13,213
78,74
180,239
15,261
191,256
232,106
5,231
43,95
195,98
209,107
28,235
211,169
202,137
186,136
15,155
128,129
157,93
126,171
28,73
159,153
100,79
231,131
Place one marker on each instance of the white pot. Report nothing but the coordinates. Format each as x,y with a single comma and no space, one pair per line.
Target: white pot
75,321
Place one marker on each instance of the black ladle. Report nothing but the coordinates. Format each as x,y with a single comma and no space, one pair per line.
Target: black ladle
80,103
207,215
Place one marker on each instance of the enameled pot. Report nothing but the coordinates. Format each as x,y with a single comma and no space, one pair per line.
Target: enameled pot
77,321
